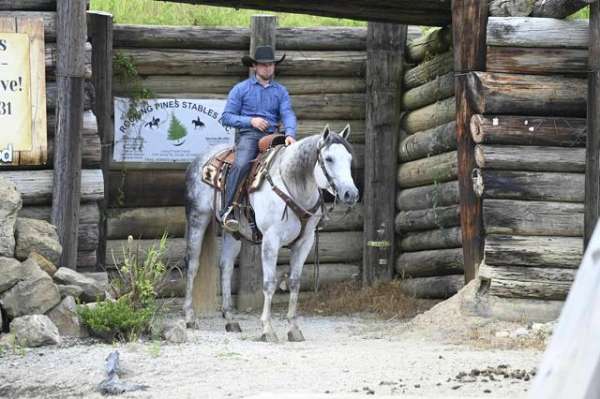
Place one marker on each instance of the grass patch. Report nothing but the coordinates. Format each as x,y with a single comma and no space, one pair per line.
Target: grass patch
150,12
385,300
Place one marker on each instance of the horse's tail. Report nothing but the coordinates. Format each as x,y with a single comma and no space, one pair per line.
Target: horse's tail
204,293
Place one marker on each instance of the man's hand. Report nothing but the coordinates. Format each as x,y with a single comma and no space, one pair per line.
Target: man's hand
289,140
259,123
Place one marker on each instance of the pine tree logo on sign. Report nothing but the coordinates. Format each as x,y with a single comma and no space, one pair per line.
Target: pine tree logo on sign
177,131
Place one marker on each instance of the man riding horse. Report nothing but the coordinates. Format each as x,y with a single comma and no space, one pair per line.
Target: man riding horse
255,107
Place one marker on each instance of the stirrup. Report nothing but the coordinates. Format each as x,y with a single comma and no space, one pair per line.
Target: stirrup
229,222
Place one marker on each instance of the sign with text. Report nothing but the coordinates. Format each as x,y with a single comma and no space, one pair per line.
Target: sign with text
168,130
15,91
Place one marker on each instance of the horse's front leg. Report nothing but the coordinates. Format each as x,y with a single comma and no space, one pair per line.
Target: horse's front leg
270,248
300,251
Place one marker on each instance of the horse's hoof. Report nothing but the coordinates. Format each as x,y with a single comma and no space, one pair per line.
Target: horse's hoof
295,335
270,337
233,327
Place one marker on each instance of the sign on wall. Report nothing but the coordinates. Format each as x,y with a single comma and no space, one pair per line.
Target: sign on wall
168,130
22,92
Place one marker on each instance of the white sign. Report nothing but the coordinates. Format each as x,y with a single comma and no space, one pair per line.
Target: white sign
168,130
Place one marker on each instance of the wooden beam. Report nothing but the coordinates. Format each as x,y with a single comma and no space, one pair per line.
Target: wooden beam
71,37
101,32
386,44
558,8
537,32
592,171
409,12
469,55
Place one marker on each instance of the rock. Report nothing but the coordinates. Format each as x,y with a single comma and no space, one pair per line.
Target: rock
176,333
64,316
31,270
43,263
34,330
69,290
92,291
10,273
10,204
37,236
30,297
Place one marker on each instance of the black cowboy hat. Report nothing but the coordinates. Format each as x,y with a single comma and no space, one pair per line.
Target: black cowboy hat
262,55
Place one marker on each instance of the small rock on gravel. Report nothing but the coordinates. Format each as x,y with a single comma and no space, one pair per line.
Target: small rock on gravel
34,330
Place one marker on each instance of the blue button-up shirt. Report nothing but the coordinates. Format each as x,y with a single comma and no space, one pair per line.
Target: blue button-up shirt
249,99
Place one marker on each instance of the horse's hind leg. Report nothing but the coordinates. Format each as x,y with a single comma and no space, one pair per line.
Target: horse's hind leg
300,252
197,222
270,249
231,249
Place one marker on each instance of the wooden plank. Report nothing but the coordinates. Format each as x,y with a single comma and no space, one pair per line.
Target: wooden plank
439,88
51,59
428,70
437,168
436,262
533,61
424,197
531,186
537,32
533,218
425,12
546,290
430,116
469,55
431,239
547,251
530,158
49,18
502,93
71,38
438,287
526,130
428,142
425,219
558,8
523,274
386,45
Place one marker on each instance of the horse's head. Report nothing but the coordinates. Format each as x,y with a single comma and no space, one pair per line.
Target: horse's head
333,169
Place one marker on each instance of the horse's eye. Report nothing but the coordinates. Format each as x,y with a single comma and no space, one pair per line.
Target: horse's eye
328,159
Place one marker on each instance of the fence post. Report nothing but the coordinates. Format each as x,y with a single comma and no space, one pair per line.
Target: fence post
71,36
101,35
263,32
385,68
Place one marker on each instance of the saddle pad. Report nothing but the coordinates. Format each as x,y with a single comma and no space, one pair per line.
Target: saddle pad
214,171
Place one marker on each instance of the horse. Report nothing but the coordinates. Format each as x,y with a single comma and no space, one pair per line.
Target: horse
301,170
153,122
197,123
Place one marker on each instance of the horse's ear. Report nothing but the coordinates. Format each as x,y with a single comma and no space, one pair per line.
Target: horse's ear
346,132
325,134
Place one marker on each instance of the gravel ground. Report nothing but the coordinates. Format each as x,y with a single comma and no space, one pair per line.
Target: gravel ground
341,357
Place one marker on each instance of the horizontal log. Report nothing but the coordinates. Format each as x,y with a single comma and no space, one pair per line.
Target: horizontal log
435,42
151,223
330,106
308,127
424,197
561,252
228,62
537,32
533,218
52,96
437,89
426,219
436,262
431,239
525,130
49,18
501,93
52,57
437,168
89,237
87,260
558,8
510,8
430,116
35,186
91,155
530,158
531,186
89,128
137,188
429,70
544,61
547,290
428,142
88,213
521,273
438,287
333,247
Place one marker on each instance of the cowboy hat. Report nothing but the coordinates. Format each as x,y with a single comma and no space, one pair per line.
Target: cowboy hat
262,55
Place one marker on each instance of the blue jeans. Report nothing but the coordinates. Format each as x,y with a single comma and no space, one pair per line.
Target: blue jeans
246,149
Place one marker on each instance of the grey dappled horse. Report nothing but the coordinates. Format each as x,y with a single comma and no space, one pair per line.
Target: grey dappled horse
321,161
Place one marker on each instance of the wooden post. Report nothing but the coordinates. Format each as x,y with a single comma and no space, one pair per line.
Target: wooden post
101,33
469,55
71,35
263,32
386,44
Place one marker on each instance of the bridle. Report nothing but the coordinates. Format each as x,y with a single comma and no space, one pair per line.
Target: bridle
332,187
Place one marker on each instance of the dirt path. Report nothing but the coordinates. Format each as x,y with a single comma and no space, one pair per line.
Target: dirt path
342,357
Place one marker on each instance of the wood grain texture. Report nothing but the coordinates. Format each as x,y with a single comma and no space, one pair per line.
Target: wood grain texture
542,61
424,219
424,197
429,263
530,158
430,116
431,239
537,32
438,287
439,88
434,169
558,8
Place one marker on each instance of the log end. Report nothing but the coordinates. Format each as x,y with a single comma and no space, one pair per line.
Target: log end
479,156
476,128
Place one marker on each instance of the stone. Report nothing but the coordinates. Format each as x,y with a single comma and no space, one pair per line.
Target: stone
176,333
65,318
43,263
34,330
37,236
30,270
10,204
92,290
30,297
70,290
10,273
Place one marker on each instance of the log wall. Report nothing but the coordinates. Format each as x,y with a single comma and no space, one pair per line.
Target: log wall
36,185
430,258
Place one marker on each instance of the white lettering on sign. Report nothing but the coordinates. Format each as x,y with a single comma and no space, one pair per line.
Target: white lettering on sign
6,156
